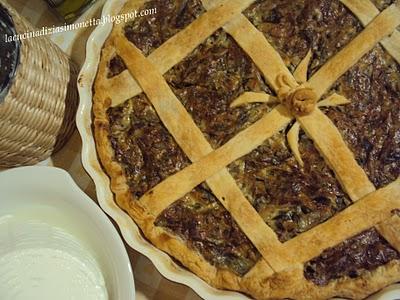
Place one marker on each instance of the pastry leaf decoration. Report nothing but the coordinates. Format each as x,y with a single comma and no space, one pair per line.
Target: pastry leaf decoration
299,100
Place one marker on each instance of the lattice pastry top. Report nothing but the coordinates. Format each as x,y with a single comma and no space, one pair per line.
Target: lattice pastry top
257,142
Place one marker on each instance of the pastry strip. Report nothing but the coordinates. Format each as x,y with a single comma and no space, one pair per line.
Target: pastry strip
193,143
333,100
338,156
262,236
180,45
382,26
122,87
252,97
365,213
293,141
300,74
261,97
392,45
170,110
264,56
390,229
366,12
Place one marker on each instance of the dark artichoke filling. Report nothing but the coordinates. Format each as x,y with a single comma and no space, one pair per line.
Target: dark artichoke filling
363,252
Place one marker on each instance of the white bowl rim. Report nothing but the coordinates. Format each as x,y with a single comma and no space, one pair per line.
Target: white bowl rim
81,201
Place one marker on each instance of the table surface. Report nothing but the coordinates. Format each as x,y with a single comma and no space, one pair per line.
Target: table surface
149,283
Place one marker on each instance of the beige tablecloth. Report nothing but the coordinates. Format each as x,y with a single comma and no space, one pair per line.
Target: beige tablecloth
148,281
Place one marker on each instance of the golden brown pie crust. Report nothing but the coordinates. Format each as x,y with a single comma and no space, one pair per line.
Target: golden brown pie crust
279,274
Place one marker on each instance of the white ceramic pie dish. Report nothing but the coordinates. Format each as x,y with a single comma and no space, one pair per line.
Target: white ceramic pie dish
131,233
47,219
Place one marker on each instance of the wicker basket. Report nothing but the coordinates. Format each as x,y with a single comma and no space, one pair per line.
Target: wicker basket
37,115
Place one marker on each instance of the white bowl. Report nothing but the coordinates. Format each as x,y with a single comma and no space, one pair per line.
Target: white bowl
51,196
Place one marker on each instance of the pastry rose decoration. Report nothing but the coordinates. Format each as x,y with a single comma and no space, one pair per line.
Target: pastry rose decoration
298,99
